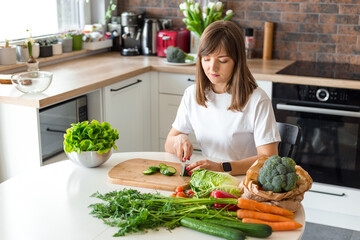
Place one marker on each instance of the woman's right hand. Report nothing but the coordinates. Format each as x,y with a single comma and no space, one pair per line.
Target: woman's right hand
179,144
183,147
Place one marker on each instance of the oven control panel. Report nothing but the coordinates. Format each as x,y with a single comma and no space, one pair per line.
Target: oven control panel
326,95
315,94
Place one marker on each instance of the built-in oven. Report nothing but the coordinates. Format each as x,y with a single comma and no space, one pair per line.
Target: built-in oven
329,118
55,119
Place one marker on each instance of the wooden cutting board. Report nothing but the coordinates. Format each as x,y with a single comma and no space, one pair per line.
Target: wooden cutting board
129,173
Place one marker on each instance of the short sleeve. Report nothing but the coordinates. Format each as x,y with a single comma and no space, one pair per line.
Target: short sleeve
265,128
182,121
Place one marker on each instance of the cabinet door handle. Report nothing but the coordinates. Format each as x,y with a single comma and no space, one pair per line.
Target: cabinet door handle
329,193
118,89
55,130
190,80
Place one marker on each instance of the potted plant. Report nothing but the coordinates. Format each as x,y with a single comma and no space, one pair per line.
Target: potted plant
7,54
90,144
45,48
56,46
32,64
22,52
197,19
77,40
67,42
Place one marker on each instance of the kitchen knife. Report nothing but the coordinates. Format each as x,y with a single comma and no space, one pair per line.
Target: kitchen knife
184,172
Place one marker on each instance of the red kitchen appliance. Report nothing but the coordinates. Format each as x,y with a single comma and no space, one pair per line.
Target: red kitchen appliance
177,37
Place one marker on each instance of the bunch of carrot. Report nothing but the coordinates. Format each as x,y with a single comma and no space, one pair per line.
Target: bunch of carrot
277,218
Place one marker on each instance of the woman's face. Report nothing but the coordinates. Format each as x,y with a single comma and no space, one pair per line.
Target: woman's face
218,67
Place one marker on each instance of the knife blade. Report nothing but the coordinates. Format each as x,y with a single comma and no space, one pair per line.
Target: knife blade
184,172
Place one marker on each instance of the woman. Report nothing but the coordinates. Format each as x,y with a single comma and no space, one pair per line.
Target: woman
231,117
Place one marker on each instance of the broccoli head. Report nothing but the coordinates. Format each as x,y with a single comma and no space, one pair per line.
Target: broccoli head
176,55
278,174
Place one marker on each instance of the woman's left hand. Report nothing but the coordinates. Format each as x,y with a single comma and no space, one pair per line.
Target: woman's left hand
205,164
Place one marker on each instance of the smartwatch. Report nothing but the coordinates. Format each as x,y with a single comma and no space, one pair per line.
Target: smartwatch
226,166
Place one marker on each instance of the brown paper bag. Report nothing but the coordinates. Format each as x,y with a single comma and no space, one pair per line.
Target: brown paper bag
289,200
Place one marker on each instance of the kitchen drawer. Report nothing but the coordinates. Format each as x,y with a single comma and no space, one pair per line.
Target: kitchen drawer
172,83
332,198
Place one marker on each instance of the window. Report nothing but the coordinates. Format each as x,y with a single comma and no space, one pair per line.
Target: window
42,17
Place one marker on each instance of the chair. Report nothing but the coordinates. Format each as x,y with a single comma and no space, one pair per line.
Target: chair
290,136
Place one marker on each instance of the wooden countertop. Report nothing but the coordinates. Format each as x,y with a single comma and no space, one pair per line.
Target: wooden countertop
82,75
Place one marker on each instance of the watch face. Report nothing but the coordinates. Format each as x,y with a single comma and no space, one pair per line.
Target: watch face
226,166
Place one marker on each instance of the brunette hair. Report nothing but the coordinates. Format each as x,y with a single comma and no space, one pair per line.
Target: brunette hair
226,35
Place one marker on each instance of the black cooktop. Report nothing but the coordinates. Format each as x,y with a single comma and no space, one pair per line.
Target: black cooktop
323,69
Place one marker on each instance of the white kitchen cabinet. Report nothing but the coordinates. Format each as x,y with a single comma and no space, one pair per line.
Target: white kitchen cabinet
171,90
127,108
266,86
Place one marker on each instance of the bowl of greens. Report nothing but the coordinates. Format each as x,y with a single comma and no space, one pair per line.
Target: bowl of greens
90,144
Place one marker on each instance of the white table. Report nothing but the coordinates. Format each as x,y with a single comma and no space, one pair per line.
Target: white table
52,202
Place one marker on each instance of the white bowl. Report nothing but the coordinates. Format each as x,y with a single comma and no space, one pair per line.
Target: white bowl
89,158
32,82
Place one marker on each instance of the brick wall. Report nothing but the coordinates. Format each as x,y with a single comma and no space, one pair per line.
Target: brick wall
310,30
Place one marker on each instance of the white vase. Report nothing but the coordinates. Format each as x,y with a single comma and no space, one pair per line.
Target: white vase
8,55
36,50
194,42
57,48
22,53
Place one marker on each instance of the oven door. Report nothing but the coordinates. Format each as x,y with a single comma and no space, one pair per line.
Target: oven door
329,148
53,124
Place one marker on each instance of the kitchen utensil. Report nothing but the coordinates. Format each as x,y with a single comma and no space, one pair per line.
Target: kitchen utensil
177,37
32,82
149,37
89,159
130,171
268,40
184,172
5,78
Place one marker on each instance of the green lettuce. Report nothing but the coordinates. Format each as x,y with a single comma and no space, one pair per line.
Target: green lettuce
94,136
203,182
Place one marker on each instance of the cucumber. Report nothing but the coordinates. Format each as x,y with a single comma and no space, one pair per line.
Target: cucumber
249,229
168,171
212,229
171,170
154,169
148,172
161,165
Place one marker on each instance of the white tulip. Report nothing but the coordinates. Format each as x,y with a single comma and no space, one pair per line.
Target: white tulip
218,5
204,15
183,6
228,12
192,8
185,14
211,5
197,7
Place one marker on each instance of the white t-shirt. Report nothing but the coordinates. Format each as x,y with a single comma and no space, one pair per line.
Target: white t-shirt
224,134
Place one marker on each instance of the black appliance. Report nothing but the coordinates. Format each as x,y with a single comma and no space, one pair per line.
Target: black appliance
329,147
323,69
115,28
55,119
149,37
132,24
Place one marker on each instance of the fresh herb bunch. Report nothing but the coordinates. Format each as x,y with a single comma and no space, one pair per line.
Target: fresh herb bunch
92,136
132,211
